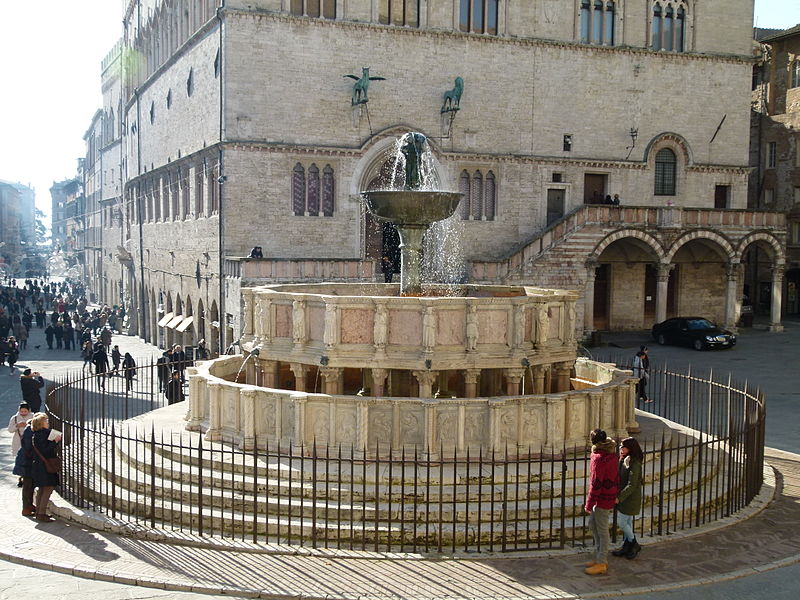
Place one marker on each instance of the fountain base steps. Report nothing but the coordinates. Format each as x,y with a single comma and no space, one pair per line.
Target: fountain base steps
154,477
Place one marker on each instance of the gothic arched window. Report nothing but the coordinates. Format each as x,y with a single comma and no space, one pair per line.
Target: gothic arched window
463,187
666,171
478,16
313,191
597,21
479,200
399,12
795,73
310,193
328,189
668,25
299,190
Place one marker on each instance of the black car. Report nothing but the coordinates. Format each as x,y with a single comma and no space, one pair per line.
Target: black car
697,332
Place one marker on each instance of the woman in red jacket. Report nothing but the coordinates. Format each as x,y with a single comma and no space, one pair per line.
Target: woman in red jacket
602,495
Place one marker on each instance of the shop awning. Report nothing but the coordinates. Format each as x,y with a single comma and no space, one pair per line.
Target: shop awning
185,324
165,319
175,321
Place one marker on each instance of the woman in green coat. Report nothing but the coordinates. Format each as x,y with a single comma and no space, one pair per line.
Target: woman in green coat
629,500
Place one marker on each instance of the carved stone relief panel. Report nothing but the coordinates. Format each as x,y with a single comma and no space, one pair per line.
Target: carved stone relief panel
534,425
576,408
446,427
405,327
493,326
317,423
450,327
229,408
283,320
507,426
357,326
379,428
475,426
529,326
266,411
316,322
412,426
346,424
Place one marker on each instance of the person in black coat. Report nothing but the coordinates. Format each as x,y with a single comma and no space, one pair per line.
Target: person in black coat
128,370
43,447
22,467
31,382
174,391
178,360
163,370
49,332
100,362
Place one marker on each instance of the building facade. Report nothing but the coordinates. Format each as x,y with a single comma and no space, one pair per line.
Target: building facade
17,228
240,128
775,152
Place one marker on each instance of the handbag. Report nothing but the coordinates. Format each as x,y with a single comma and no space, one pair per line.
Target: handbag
51,465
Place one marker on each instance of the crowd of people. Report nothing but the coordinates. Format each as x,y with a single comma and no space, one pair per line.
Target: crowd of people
62,312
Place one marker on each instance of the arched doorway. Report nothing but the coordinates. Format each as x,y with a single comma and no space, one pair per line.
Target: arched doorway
380,238
793,292
624,286
758,259
702,264
215,350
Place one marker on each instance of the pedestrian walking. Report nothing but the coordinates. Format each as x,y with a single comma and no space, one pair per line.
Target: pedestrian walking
13,354
58,332
31,382
116,359
641,370
601,497
100,362
174,391
128,370
629,501
68,335
202,350
86,353
178,360
49,334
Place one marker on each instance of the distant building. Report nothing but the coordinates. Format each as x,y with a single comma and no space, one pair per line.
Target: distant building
17,227
775,155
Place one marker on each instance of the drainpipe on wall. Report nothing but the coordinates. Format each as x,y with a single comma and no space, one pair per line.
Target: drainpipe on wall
223,315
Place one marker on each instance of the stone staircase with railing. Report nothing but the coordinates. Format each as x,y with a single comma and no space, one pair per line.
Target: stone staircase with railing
161,475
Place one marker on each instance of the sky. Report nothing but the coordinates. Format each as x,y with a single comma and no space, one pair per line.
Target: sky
51,81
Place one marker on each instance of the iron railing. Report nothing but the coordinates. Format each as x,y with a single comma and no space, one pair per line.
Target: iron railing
151,472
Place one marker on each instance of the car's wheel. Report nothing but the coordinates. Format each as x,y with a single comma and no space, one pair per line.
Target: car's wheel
698,345
661,339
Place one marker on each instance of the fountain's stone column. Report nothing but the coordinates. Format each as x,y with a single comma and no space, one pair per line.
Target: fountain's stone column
410,259
197,397
300,371
563,371
471,382
333,378
513,379
538,379
379,381
269,372
426,379
588,298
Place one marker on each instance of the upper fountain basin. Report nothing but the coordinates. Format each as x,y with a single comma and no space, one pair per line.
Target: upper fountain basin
412,207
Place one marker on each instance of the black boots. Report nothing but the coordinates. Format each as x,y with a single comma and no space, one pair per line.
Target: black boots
624,550
628,550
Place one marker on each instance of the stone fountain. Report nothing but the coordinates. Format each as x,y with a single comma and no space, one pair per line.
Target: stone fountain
412,208
379,369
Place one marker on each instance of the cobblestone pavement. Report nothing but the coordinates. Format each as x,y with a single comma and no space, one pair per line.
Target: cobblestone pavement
765,541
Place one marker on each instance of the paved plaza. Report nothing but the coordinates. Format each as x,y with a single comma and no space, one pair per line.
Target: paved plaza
745,560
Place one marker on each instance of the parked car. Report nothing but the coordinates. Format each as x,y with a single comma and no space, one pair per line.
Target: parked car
697,332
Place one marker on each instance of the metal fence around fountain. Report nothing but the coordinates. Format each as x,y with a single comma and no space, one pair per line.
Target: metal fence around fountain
409,500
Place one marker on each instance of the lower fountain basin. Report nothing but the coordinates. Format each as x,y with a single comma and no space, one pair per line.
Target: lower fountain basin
412,207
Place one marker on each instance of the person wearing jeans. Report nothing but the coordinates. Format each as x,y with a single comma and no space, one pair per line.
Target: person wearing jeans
629,501
601,497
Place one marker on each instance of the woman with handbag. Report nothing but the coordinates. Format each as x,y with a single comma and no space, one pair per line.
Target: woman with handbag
45,463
